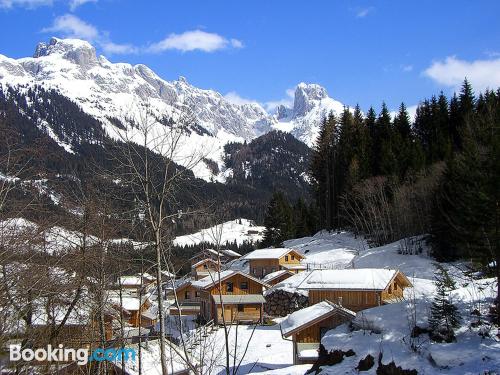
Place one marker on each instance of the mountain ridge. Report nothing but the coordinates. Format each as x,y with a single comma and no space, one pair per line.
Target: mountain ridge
117,91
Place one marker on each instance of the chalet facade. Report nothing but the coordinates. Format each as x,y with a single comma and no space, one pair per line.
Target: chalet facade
235,297
355,289
188,298
265,261
203,268
306,327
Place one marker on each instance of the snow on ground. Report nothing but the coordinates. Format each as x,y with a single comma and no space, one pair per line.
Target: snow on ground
328,250
239,231
387,328
267,350
24,234
388,256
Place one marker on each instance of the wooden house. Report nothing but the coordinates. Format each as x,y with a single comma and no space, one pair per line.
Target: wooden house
265,261
231,296
188,298
135,282
355,289
225,255
274,278
137,311
203,268
306,327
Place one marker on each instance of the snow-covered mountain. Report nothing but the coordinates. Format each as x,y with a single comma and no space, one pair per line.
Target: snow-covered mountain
119,91
311,104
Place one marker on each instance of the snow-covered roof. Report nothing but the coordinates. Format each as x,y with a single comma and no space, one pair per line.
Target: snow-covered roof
271,253
203,261
130,280
354,279
214,279
273,275
231,253
310,315
294,266
237,299
128,302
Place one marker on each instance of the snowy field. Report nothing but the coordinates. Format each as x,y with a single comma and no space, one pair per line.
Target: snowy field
328,250
239,230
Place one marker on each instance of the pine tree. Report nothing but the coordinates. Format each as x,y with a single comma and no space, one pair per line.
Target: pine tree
323,160
444,315
278,221
387,163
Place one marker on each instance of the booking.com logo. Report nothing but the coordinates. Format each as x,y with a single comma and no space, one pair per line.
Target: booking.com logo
62,354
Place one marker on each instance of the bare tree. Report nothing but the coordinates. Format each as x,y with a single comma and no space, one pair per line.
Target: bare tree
146,160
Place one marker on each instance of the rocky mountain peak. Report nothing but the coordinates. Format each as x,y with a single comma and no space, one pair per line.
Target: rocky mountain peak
78,51
306,94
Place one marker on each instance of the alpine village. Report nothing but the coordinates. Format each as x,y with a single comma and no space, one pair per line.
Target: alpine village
149,226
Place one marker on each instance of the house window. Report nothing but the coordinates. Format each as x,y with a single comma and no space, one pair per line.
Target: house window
244,285
205,266
273,269
286,258
293,257
263,272
186,294
229,287
255,271
197,294
241,308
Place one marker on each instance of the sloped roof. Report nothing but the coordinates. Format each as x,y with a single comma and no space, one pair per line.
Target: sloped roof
308,316
237,299
231,253
353,279
271,253
205,260
273,275
213,279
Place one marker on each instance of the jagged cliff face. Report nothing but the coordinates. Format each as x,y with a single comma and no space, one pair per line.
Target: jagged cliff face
109,91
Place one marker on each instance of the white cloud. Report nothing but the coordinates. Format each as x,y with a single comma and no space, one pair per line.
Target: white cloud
195,40
31,4
72,26
24,3
234,98
363,12
287,101
73,4
69,25
412,112
117,49
482,74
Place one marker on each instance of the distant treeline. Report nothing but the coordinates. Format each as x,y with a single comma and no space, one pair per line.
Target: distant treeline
388,178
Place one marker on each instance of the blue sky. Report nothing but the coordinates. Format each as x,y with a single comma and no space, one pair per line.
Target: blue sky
362,52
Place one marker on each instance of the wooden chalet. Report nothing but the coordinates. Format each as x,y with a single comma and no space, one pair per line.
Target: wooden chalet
203,268
188,298
137,311
234,297
135,282
307,327
355,289
274,278
265,261
225,255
